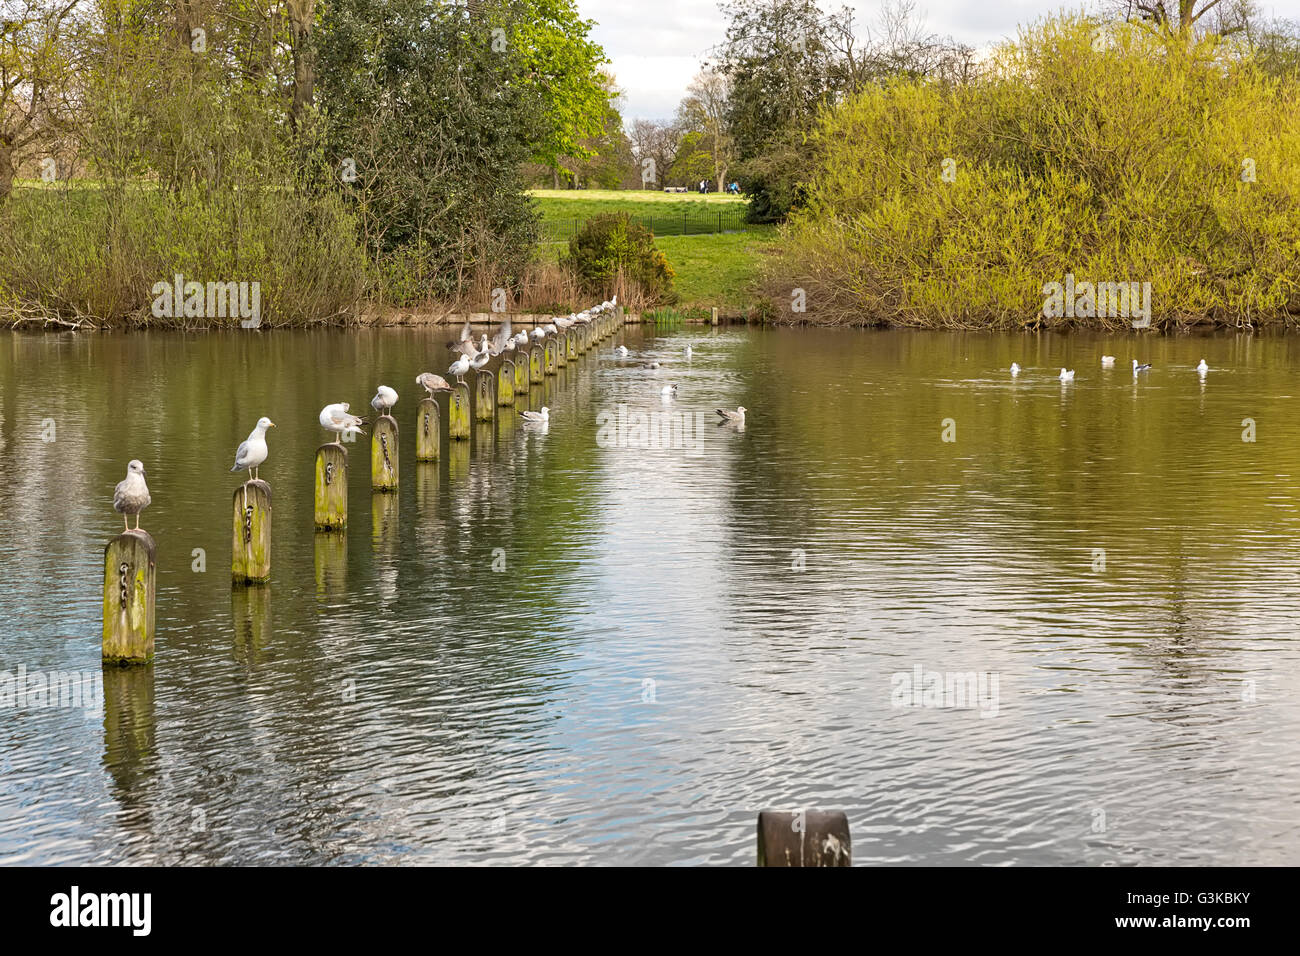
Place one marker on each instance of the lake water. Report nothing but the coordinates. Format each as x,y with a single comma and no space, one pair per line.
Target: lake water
561,648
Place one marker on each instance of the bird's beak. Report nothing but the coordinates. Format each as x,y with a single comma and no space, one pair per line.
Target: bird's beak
272,424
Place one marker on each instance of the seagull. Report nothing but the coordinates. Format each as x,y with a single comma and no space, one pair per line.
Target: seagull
651,364
503,336
565,323
551,329
539,334
688,351
465,344
538,418
335,418
432,383
621,350
668,392
459,368
253,451
1140,368
478,361
385,398
522,339
733,418
131,496
1202,368
1108,361
1067,376
1015,369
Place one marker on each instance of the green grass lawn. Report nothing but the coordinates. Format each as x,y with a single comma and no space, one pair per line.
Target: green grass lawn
714,269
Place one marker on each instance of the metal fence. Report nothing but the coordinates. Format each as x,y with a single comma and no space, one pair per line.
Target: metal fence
691,223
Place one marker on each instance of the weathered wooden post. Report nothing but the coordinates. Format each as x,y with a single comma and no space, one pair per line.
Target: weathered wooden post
427,431
383,454
486,406
807,838
521,374
331,487
458,412
551,355
562,350
250,543
571,343
130,581
506,383
620,317
536,364
713,320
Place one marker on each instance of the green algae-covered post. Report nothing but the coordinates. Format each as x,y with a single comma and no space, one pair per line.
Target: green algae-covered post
536,364
506,383
130,582
458,413
521,374
562,350
331,487
383,454
250,542
573,343
551,354
807,838
486,406
426,431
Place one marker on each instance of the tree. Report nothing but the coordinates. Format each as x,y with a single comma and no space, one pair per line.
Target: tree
704,112
655,144
36,67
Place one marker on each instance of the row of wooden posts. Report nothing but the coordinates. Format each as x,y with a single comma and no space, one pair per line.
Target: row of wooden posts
130,559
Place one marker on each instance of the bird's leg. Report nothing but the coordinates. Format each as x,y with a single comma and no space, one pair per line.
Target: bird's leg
137,521
125,524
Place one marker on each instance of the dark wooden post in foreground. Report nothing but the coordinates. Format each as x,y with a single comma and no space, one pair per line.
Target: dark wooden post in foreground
250,541
130,576
551,354
458,412
331,487
809,838
485,408
426,431
506,383
383,454
535,365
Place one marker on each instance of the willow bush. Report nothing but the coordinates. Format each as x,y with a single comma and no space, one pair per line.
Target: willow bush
1113,154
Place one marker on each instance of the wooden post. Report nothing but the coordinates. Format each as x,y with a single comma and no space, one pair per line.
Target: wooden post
808,838
521,374
331,487
427,431
250,542
458,412
535,365
571,343
552,351
620,316
562,350
486,406
506,383
130,582
714,319
383,454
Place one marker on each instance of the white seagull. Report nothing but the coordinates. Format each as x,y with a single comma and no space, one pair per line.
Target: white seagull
732,418
1108,361
252,451
1015,369
131,496
1202,368
621,350
385,398
1140,368
459,368
335,418
689,353
537,418
668,391
1067,376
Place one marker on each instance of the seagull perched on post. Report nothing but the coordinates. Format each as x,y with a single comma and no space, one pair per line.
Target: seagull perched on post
459,368
385,398
131,496
478,361
336,418
252,451
432,383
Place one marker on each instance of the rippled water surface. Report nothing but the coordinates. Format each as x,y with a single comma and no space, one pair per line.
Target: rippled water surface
549,648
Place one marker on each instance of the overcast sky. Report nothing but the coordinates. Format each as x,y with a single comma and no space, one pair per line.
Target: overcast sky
657,47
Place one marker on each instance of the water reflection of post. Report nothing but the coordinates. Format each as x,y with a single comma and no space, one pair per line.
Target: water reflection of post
383,538
483,441
457,461
250,609
331,563
427,480
129,745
